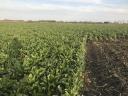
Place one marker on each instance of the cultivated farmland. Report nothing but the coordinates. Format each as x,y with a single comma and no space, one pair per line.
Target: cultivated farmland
63,59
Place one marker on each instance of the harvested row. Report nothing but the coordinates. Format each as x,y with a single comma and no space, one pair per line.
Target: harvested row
107,68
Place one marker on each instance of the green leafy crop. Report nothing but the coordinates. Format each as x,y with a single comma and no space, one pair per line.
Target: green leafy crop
46,59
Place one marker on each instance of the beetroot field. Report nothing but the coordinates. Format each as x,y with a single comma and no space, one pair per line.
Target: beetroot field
63,59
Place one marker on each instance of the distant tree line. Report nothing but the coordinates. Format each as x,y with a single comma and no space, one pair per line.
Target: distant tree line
86,22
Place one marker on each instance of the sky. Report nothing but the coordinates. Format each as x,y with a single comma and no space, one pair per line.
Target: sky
65,10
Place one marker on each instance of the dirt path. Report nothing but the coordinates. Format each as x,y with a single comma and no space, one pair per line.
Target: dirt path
107,69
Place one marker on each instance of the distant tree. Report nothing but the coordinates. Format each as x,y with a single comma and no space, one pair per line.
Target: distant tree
106,22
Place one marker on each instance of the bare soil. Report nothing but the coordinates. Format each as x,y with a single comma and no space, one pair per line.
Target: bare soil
107,68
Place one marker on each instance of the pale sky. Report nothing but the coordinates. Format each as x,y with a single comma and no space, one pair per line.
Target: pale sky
67,10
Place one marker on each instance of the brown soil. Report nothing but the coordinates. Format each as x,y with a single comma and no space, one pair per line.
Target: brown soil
107,69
